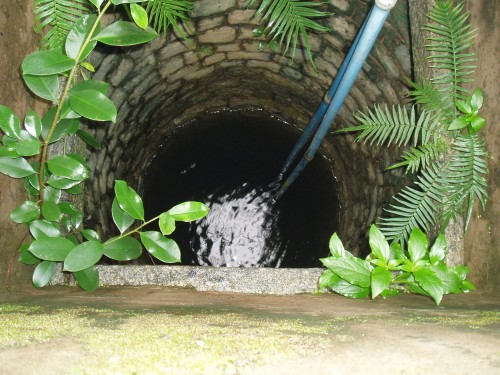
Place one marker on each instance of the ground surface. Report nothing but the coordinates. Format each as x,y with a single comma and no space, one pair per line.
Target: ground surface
62,330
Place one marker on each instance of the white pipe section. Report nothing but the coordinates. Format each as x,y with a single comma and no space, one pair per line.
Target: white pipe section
386,4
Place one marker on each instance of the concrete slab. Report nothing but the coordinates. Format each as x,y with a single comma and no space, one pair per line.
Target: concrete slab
158,330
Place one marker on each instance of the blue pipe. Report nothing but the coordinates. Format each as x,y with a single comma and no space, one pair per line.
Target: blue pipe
374,24
320,112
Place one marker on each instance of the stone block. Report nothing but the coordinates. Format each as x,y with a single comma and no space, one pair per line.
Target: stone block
199,73
172,49
209,23
224,34
206,8
248,56
172,65
268,65
242,16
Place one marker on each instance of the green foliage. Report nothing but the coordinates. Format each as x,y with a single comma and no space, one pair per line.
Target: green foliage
389,270
56,225
287,23
164,14
444,148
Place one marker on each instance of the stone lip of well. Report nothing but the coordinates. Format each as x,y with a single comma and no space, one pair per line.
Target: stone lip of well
215,279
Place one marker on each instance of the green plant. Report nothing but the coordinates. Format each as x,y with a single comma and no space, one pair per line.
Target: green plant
445,149
389,269
287,21
54,223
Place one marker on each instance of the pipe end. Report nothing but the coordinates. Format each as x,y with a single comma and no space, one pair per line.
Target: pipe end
386,4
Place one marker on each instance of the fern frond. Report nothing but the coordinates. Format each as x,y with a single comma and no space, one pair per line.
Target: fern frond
465,179
60,15
289,20
452,38
429,98
422,156
415,206
383,126
166,13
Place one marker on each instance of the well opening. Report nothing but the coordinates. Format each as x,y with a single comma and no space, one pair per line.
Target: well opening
169,85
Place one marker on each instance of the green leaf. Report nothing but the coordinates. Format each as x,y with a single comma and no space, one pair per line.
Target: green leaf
50,194
46,87
123,249
166,223
347,289
438,250
67,112
97,3
477,100
90,234
430,282
458,123
336,247
162,248
61,182
88,66
118,2
88,279
50,211
381,279
68,167
26,212
477,124
88,139
26,257
32,124
463,106
139,16
327,278
44,63
188,211
354,270
63,126
378,244
83,256
124,33
121,219
91,84
8,152
461,271
41,229
68,208
27,145
51,248
9,122
43,273
467,286
16,168
449,280
76,220
417,245
77,36
129,200
93,105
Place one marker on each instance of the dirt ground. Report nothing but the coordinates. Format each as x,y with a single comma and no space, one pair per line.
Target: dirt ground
62,330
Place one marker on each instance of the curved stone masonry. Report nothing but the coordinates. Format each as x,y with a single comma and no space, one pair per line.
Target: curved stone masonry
159,86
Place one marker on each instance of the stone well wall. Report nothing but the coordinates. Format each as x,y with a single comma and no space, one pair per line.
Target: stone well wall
169,81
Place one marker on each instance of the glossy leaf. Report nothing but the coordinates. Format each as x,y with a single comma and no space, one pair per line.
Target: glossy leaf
43,273
88,139
122,220
129,200
46,87
379,245
55,249
52,195
88,279
162,248
428,281
354,270
380,280
188,211
90,234
33,124
51,211
44,63
16,168
166,223
327,278
118,2
68,208
77,36
477,100
124,33
41,229
68,167
76,220
88,66
417,245
91,84
26,257
458,123
336,247
67,112
97,3
450,281
8,152
61,182
438,250
93,105
347,289
9,122
83,256
26,212
27,145
123,249
139,15
477,124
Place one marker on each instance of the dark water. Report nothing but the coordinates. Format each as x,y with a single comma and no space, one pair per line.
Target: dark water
230,161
